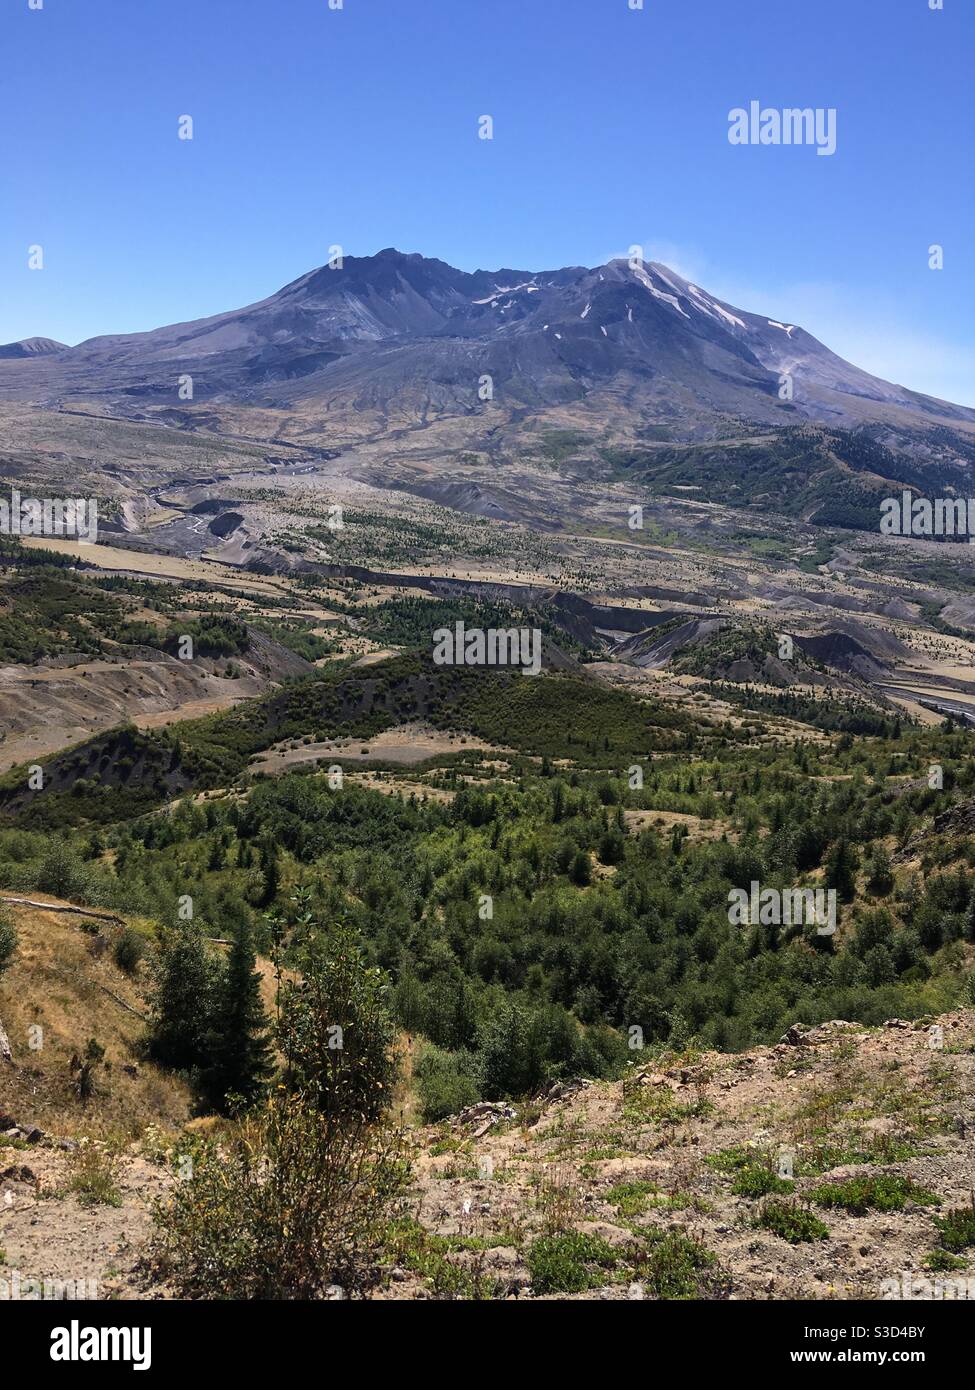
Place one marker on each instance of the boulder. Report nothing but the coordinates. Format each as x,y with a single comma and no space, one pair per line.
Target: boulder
794,1036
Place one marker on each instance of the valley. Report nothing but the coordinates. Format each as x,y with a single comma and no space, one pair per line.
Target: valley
228,734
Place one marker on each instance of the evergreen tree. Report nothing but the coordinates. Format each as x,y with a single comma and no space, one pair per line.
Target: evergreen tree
970,919
580,870
185,996
881,880
841,867
240,1050
271,873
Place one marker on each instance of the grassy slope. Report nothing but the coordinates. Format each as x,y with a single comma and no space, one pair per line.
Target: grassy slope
63,979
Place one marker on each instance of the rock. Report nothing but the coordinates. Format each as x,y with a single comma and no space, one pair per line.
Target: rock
793,1036
568,1086
896,1023
33,1135
490,1112
19,1173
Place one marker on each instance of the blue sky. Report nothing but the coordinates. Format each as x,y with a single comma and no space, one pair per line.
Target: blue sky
359,127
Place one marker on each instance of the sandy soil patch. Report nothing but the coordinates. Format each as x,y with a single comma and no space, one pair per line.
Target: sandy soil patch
408,744
156,566
664,821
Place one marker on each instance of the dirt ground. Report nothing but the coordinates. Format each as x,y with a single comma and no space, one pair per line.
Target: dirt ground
842,1101
407,744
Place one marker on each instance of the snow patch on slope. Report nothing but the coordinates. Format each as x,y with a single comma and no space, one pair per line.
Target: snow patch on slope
508,289
711,307
648,284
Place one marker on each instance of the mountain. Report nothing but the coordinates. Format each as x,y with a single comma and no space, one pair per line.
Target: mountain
31,347
630,353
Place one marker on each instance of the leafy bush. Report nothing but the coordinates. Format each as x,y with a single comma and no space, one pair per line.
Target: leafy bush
336,1030
8,939
435,1259
564,1263
62,872
446,1082
880,1192
129,950
678,1267
942,1262
631,1198
791,1221
957,1228
93,1176
211,635
287,1204
512,1053
757,1180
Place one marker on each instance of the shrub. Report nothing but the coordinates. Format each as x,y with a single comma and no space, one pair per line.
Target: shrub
84,1068
957,1228
562,1263
8,940
129,950
512,1053
791,1221
677,1267
440,1261
93,1177
756,1180
942,1262
63,874
730,1160
881,1192
446,1082
287,1204
631,1198
580,870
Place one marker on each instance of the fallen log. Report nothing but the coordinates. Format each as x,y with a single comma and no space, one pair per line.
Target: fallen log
64,907
122,1004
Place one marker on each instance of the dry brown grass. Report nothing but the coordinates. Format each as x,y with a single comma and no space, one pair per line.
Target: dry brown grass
59,980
